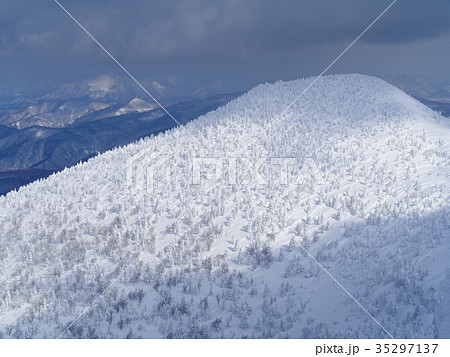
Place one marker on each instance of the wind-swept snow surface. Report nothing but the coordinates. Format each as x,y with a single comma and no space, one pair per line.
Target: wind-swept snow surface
224,258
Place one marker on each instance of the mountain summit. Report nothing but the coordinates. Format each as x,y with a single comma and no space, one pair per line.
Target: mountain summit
236,225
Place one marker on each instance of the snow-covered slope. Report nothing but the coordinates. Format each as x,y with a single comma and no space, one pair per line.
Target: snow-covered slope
220,259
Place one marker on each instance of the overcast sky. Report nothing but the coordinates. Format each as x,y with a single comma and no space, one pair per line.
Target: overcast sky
230,43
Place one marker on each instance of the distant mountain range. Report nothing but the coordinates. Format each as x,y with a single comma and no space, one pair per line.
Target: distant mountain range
77,121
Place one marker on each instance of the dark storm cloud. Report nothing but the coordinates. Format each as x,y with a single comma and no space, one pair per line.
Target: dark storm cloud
244,35
159,30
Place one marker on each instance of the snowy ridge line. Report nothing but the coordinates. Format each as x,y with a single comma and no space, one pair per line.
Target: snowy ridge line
326,69
122,67
261,90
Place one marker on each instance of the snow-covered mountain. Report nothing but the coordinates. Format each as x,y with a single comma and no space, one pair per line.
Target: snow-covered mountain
68,104
87,100
226,257
136,105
